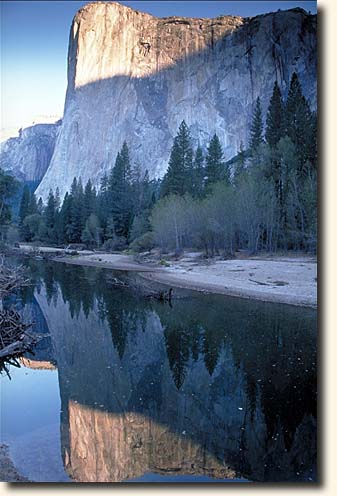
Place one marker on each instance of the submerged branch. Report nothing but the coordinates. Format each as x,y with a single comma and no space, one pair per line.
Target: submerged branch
14,336
11,279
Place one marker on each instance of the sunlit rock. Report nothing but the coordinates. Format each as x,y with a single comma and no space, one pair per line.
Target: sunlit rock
135,77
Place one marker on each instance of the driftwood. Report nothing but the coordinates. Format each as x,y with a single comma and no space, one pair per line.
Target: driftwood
14,337
162,295
159,295
11,279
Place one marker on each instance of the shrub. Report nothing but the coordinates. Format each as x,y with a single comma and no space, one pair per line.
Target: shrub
118,243
143,243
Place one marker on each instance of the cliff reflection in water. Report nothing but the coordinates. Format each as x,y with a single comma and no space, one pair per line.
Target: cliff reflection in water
212,386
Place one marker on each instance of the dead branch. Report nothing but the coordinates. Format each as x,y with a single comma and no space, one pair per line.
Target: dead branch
11,279
14,337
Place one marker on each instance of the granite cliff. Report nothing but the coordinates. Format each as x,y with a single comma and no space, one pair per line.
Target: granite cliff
135,77
28,155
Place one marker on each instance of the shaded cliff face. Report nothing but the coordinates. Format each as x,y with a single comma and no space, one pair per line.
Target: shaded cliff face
135,77
218,390
28,156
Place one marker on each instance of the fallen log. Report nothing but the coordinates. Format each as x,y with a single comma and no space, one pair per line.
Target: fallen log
17,347
162,295
159,295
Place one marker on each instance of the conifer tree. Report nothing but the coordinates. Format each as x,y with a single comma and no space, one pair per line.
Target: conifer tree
65,219
299,123
256,132
239,163
32,205
40,206
102,203
198,173
275,118
24,210
216,170
77,212
50,218
88,200
121,204
8,186
177,177
57,199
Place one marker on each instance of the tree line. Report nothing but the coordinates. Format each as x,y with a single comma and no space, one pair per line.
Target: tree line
262,199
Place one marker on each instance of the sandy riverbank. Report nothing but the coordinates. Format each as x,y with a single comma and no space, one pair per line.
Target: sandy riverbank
278,279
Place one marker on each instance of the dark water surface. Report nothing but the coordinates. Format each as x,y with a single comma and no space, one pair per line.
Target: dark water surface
126,388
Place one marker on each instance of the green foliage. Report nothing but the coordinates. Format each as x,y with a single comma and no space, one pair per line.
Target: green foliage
32,227
264,198
275,118
8,186
12,235
239,164
145,242
91,235
198,174
120,188
177,180
300,125
256,133
216,169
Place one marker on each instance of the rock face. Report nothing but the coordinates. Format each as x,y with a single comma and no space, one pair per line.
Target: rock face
28,156
135,77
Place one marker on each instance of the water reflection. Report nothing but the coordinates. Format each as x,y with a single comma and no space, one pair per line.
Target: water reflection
212,386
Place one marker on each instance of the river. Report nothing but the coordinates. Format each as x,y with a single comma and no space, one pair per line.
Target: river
125,388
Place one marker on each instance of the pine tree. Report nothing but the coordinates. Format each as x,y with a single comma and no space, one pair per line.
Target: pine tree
275,118
102,203
256,132
8,186
88,200
75,228
50,217
32,209
299,123
120,188
275,129
23,213
177,177
65,219
198,174
24,204
216,170
239,164
77,212
40,206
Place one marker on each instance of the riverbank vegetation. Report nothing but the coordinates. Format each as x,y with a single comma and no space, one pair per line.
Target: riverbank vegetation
262,199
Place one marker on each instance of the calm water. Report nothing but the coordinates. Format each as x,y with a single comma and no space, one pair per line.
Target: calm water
123,388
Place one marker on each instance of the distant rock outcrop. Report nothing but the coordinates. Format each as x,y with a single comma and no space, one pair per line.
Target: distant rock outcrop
135,77
28,155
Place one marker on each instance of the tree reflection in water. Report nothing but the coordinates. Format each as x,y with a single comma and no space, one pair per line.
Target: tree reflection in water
212,386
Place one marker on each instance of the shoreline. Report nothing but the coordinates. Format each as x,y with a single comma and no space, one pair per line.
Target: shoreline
290,281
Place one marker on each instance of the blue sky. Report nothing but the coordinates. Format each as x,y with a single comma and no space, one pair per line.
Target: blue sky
34,43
